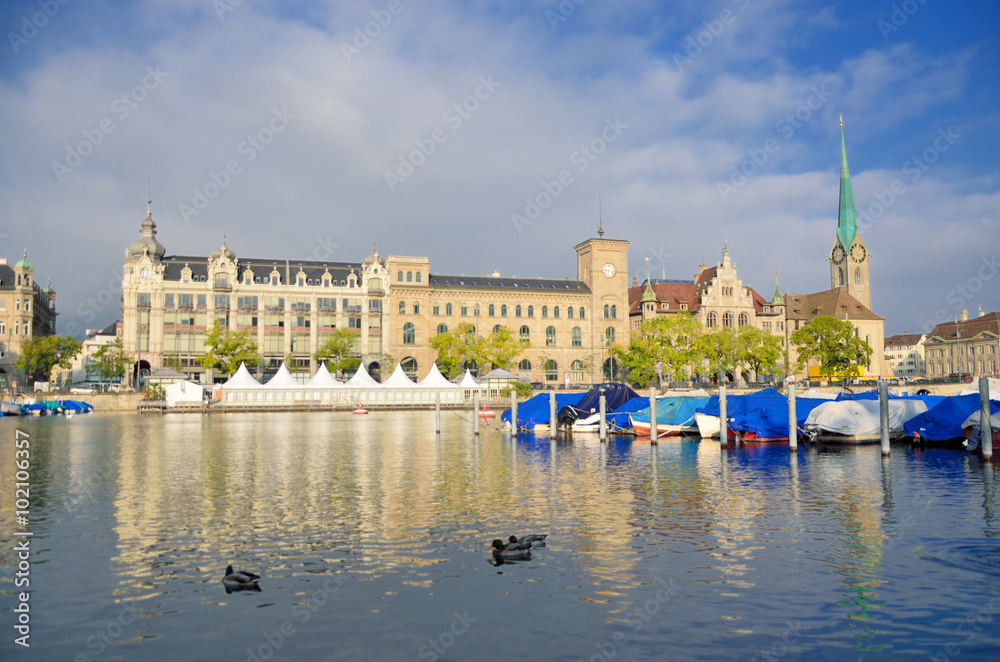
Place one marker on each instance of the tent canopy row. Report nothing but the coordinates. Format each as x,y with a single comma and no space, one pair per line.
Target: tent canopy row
283,379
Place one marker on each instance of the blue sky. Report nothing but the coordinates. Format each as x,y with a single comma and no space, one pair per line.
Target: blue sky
441,131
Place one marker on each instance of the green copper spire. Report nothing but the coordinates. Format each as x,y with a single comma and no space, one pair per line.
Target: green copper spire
847,224
648,294
777,299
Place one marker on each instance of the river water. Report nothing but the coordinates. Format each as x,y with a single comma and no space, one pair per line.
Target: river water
372,535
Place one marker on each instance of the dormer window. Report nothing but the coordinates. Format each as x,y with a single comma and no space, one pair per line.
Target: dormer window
144,272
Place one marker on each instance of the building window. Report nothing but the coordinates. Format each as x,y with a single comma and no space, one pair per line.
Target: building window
409,366
551,370
576,371
744,320
531,311
525,333
614,312
418,280
492,310
727,319
416,307
577,336
409,276
517,310
555,312
609,336
840,277
857,276
550,336
402,307
569,312
144,272
409,334
503,310
465,310
711,320
524,365
496,328
545,311
442,328
583,313
399,277
607,311
437,309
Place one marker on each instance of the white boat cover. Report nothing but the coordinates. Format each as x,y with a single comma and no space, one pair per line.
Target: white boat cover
860,418
435,379
283,379
697,393
994,383
974,420
468,381
818,395
323,379
398,379
242,379
361,379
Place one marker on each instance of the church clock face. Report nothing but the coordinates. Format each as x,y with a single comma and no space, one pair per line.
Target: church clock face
838,254
858,252
608,269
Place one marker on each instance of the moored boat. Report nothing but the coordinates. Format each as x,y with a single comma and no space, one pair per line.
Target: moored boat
674,417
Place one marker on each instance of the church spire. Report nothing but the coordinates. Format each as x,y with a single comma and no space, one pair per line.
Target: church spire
847,224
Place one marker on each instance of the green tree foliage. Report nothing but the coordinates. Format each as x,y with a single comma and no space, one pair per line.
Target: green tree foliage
722,350
502,348
225,350
668,340
154,392
834,345
761,351
40,355
110,360
338,351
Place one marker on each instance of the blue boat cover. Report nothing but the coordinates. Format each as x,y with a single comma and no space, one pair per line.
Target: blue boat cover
535,410
770,419
618,419
615,395
943,422
674,410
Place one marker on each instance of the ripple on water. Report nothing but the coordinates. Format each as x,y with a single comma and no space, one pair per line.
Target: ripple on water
981,556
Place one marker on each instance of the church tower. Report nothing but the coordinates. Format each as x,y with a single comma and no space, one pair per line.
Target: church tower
849,255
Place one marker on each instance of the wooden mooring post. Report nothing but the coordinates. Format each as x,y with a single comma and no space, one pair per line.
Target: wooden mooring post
793,423
883,412
654,432
437,412
723,418
553,423
475,412
513,413
602,426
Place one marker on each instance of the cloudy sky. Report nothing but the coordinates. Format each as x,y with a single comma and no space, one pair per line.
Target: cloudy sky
483,134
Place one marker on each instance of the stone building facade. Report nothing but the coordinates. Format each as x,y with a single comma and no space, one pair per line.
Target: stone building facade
26,311
904,355
966,348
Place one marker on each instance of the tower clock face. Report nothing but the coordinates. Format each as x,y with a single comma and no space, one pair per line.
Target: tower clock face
838,254
608,269
858,252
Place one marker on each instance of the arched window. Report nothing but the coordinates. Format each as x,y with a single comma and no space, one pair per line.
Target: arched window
555,312
416,307
727,319
525,333
531,311
569,312
550,336
609,336
418,280
409,334
545,311
402,307
583,313
496,328
447,309
711,320
577,336
576,371
744,320
442,328
614,312
409,276
524,365
517,310
492,310
551,370
409,366
607,311
503,310
857,276
840,275
399,276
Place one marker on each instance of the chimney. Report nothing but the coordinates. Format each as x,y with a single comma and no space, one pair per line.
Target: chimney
635,281
965,315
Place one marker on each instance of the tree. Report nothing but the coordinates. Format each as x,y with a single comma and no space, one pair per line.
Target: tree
721,349
40,355
761,351
834,344
110,360
667,340
338,351
225,350
501,348
457,346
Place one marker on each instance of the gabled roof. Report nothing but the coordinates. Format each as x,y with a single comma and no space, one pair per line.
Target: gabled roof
835,303
986,324
903,339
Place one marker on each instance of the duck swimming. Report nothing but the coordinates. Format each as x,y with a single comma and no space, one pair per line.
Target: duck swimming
512,550
240,578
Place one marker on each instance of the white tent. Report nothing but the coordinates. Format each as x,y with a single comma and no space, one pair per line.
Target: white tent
468,381
323,378
361,379
398,379
242,379
283,379
184,393
435,379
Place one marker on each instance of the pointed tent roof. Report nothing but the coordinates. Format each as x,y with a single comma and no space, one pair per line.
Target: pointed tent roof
435,379
468,381
361,379
398,378
283,379
847,223
323,378
242,379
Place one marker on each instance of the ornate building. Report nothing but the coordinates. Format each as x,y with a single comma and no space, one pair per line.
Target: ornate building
570,322
964,348
26,311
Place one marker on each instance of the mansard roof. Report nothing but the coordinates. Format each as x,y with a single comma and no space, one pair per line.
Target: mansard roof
988,324
527,285
836,302
174,264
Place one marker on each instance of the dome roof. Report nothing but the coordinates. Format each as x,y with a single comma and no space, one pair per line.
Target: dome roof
24,262
223,251
147,239
373,258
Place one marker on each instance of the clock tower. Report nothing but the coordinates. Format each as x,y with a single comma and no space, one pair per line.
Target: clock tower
849,258
602,264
